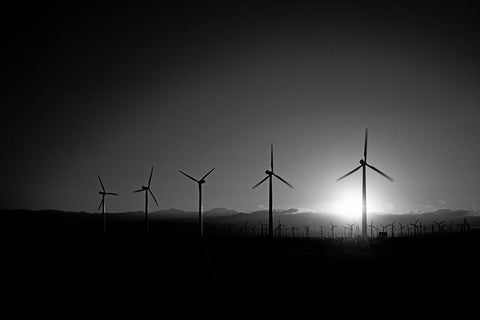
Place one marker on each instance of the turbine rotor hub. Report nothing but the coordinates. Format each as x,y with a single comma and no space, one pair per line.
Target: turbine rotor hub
268,172
362,162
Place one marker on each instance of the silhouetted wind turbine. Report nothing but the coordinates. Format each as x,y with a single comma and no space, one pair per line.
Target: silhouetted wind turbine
269,174
147,190
351,229
371,229
392,226
293,228
244,227
363,165
279,228
401,230
200,205
332,228
321,230
102,203
263,228
307,231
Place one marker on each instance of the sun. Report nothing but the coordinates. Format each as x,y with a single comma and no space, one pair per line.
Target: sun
348,205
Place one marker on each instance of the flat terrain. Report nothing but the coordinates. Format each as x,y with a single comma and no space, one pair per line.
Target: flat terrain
64,267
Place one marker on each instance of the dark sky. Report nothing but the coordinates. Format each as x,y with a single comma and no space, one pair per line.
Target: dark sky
114,89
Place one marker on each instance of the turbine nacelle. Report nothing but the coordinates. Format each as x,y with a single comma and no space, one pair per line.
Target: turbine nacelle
201,181
363,162
268,172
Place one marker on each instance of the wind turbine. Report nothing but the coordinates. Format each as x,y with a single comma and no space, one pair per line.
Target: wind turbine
200,206
401,229
269,176
293,228
321,230
102,203
263,228
244,227
332,228
392,228
371,229
147,190
363,165
351,229
307,231
279,228
439,225
415,228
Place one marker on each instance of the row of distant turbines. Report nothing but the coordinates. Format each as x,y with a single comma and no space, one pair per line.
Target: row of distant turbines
350,231
269,176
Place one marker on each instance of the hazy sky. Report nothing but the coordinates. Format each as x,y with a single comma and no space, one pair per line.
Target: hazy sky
114,89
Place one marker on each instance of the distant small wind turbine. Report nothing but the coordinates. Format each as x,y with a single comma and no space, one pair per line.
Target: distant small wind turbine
415,228
293,228
463,226
147,190
351,229
279,228
364,165
307,231
200,205
401,229
269,174
263,228
321,230
104,193
332,228
244,227
392,228
439,225
371,229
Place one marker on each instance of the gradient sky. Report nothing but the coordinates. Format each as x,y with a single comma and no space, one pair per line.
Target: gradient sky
115,89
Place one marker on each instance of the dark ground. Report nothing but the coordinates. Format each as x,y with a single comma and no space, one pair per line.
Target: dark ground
60,265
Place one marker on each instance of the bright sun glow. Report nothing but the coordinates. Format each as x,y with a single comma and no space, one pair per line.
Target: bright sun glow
348,205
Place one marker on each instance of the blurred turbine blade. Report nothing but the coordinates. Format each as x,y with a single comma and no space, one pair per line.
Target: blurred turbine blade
281,179
150,179
151,193
344,176
101,203
260,182
271,156
112,194
139,190
383,174
103,188
188,175
207,174
366,143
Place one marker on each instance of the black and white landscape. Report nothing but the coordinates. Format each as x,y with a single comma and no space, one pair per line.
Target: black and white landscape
319,159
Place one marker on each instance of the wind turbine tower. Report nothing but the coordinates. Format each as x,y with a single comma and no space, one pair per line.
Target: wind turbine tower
363,165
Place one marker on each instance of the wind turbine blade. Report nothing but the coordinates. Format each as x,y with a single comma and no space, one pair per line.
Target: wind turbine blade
344,176
383,174
139,190
366,143
112,194
150,179
271,156
284,181
188,176
260,182
151,193
101,203
103,188
207,174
